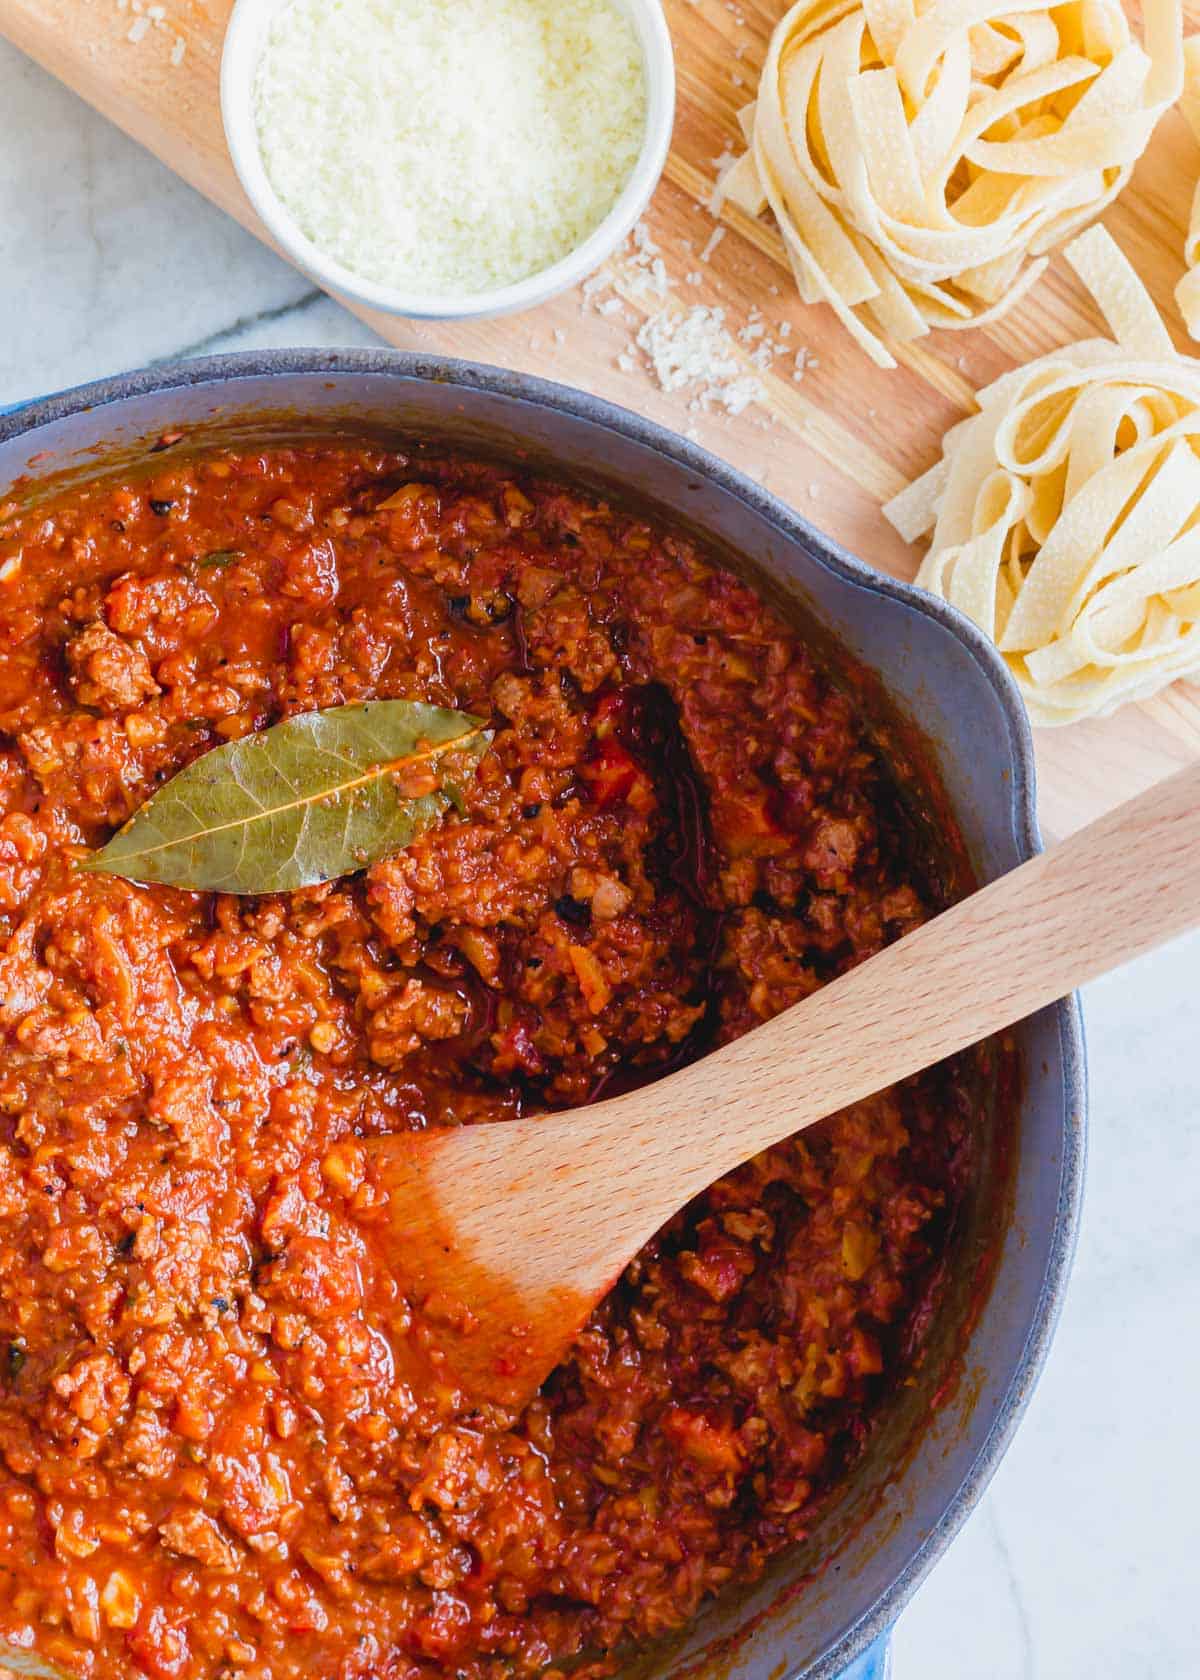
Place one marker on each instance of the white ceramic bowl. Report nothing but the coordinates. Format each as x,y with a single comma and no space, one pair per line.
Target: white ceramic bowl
244,38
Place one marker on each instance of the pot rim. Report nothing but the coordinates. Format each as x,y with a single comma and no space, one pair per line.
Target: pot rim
417,367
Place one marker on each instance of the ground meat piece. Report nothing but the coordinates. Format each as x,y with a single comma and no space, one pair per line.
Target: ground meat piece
183,1102
317,1277
22,844
195,1535
107,672
561,632
833,849
416,1015
95,1390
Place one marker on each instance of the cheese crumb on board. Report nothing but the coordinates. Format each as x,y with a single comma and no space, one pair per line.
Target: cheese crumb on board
449,146
694,348
689,348
146,18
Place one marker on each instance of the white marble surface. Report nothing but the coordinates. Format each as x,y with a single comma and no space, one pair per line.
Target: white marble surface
1081,1563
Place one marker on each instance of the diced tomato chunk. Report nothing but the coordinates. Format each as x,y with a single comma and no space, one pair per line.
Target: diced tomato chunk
159,1646
611,775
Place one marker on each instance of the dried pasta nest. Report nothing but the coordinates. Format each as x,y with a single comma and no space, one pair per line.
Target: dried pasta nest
1065,515
922,156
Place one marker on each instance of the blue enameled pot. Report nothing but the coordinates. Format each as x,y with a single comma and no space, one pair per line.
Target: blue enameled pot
823,1610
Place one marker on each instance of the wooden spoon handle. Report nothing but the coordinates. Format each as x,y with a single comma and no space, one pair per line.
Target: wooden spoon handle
1114,890
532,1221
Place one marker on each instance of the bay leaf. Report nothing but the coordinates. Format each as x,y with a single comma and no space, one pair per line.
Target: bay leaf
308,800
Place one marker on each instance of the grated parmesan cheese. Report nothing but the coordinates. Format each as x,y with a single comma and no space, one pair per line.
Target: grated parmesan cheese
449,146
692,350
684,349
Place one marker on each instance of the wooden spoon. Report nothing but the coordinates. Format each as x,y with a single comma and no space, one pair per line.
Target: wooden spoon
527,1223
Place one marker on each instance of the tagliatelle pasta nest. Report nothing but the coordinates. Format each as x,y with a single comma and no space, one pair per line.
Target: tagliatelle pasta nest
1066,513
1187,293
921,156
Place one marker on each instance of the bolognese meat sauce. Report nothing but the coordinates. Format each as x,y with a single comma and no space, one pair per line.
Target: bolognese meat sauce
209,1463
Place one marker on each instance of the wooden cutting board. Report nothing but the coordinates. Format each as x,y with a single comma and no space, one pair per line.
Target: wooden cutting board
836,442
